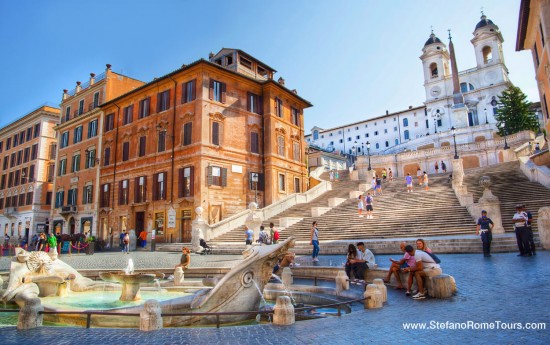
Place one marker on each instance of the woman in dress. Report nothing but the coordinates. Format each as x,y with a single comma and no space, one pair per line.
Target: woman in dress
315,241
352,255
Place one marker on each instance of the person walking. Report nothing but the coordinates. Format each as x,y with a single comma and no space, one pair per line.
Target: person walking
419,175
360,206
368,202
378,185
315,241
443,167
337,175
425,180
126,243
52,241
484,229
331,175
436,167
373,185
249,236
409,181
384,174
390,174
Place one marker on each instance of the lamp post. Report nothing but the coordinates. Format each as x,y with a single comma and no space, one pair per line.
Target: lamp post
503,126
368,154
453,130
363,147
254,177
486,121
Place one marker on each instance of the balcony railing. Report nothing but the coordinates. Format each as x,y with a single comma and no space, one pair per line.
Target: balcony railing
86,85
10,211
68,209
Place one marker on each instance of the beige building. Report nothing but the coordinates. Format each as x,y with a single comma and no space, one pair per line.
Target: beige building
27,154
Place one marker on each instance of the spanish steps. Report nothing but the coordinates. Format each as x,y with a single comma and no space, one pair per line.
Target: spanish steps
435,215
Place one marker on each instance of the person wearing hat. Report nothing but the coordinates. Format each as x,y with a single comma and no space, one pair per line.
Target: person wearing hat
484,227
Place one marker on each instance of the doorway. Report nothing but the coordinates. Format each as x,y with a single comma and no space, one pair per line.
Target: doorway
185,226
72,226
140,222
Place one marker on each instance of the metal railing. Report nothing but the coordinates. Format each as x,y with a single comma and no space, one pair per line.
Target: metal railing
89,313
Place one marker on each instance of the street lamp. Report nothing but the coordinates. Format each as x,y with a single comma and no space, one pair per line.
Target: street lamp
254,177
503,127
486,121
453,130
363,147
368,154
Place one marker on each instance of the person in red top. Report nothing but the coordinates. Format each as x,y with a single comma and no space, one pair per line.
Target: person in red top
143,238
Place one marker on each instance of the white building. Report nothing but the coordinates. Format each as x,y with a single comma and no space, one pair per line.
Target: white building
392,132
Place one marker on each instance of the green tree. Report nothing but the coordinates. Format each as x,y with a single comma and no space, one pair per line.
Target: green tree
514,113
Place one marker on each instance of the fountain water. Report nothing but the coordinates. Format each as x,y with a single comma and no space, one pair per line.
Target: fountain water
130,268
263,304
276,277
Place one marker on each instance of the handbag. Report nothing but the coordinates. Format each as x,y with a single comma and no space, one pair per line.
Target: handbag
435,258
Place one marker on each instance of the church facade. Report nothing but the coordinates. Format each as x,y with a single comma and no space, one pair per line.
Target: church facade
465,100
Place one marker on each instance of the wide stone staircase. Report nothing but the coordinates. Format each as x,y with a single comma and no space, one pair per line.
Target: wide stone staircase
340,189
512,187
434,215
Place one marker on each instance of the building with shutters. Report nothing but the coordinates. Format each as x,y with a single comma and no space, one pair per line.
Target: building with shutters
75,193
27,151
217,133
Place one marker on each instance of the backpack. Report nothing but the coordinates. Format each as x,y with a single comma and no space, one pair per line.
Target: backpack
276,235
369,200
263,237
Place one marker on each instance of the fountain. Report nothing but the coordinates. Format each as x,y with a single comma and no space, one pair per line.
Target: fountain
130,281
236,291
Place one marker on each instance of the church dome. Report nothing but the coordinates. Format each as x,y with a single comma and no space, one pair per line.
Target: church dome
484,22
432,39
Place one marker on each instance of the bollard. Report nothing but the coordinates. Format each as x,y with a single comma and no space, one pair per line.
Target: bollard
382,287
286,277
342,282
178,276
150,317
442,286
30,315
374,297
283,313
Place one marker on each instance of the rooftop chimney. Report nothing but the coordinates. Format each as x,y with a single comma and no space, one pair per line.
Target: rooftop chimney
295,91
211,55
410,106
108,66
281,81
92,79
387,112
65,94
78,87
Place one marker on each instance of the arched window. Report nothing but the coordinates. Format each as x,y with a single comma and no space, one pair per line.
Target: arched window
433,70
315,135
406,133
487,54
396,141
405,122
377,145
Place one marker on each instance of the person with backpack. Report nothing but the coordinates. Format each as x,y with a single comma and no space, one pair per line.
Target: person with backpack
263,236
368,201
273,233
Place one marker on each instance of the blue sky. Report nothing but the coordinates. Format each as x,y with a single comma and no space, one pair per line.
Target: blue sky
352,59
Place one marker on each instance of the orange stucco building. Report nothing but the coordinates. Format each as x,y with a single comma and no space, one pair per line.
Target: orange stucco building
74,204
533,34
199,136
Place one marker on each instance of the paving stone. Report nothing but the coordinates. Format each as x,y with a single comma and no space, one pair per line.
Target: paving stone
501,288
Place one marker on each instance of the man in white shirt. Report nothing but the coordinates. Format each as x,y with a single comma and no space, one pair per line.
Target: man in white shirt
363,261
425,266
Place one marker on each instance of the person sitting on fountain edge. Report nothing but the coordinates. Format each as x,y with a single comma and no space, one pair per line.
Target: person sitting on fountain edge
425,266
397,266
286,261
363,261
185,259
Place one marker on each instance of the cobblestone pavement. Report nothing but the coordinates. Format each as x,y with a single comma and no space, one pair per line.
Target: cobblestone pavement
502,288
